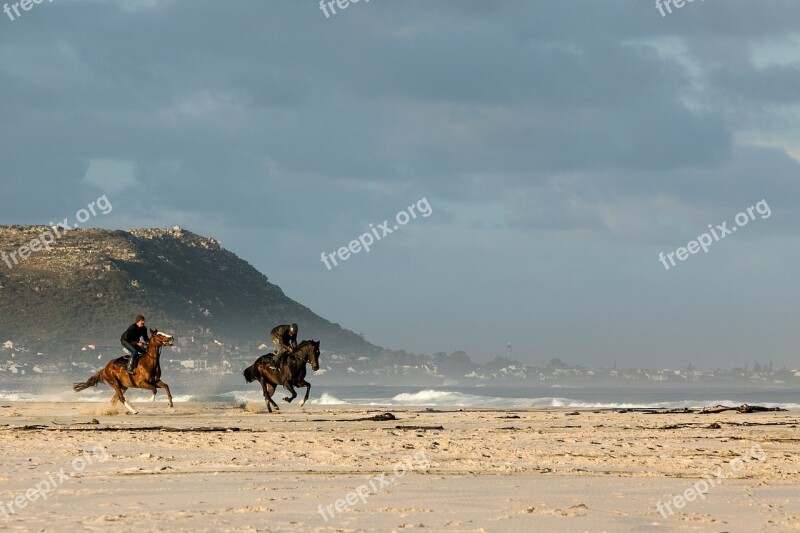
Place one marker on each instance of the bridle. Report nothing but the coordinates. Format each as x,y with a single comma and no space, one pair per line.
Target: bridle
302,358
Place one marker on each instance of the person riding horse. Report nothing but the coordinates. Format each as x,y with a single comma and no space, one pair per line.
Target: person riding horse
285,338
130,340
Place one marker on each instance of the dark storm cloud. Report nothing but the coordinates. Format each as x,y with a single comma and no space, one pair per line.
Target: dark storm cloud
334,101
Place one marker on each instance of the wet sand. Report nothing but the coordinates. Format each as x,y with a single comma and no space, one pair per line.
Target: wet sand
224,467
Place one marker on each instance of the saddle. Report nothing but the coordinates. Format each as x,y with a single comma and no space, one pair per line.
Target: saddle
270,359
122,361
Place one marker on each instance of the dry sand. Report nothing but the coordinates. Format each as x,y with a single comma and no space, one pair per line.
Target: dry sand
489,470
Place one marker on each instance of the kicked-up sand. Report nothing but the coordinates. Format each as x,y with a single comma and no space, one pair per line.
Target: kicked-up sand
224,467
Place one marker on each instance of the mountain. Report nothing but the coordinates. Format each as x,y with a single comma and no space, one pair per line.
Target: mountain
87,286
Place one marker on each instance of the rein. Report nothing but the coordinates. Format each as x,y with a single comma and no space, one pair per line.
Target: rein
157,351
296,355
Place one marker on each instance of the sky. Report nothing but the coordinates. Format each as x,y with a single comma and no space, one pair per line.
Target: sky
560,146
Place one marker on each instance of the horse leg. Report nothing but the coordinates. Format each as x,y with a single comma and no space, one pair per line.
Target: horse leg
148,386
164,386
130,409
116,397
119,395
288,386
307,385
114,383
271,391
267,394
118,388
123,389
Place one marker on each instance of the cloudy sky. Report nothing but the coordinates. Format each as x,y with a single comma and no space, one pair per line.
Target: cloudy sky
561,145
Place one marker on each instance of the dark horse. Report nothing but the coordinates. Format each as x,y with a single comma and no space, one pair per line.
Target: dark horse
147,376
291,374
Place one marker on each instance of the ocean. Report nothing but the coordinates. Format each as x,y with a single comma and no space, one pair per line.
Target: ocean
232,389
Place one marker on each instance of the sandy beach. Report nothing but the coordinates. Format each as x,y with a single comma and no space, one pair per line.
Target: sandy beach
228,467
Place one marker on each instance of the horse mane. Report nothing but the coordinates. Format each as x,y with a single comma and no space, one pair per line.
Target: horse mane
305,343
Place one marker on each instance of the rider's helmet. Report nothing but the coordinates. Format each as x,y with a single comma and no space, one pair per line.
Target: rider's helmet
293,329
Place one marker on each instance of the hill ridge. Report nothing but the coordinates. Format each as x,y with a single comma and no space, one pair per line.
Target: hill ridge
90,283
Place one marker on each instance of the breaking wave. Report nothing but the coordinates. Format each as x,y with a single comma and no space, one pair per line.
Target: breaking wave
389,396
453,398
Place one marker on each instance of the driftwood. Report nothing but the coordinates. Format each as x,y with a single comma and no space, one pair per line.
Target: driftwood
419,428
714,409
656,410
383,417
681,426
40,427
791,423
744,408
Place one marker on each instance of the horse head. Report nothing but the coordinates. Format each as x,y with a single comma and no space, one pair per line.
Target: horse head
159,339
311,349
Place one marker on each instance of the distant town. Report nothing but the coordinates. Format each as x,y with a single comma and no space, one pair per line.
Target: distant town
211,357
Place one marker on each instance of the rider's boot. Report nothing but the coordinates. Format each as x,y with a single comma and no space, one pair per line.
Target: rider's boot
132,364
274,364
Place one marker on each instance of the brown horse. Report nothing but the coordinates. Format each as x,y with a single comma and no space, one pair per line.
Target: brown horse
291,374
147,375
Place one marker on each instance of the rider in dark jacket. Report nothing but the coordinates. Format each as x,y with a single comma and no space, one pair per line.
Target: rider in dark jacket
130,340
285,338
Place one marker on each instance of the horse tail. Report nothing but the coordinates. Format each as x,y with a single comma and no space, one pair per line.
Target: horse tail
250,373
91,382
